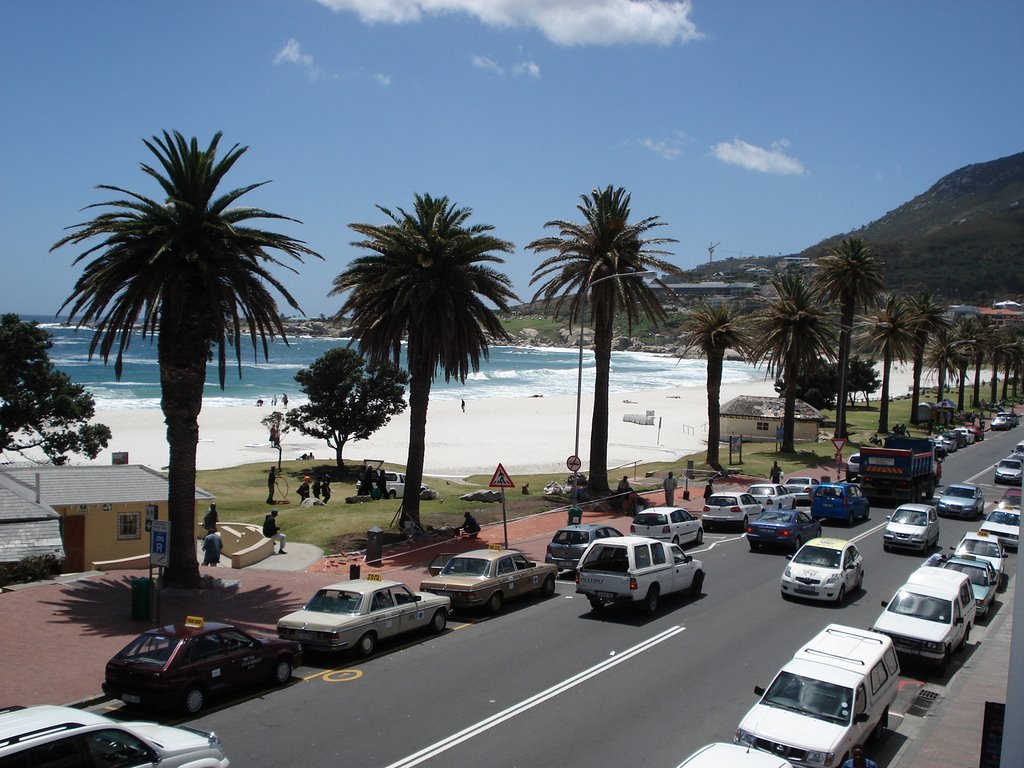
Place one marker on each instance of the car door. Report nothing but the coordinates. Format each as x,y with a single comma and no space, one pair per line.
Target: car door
807,526
682,567
207,662
384,615
683,525
527,575
243,661
751,506
852,567
505,571
411,615
933,526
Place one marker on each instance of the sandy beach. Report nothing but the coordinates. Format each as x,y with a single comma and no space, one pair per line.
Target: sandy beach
531,435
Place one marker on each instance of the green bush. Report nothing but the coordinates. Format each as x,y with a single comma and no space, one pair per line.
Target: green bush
34,568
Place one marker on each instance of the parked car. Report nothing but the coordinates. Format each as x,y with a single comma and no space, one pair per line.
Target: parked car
985,546
984,580
840,501
1001,422
488,577
358,614
70,737
823,569
967,433
773,496
788,528
730,508
803,488
568,543
1004,524
946,443
978,432
911,526
184,664
668,524
720,755
853,467
1010,499
961,500
1018,449
1008,470
1012,418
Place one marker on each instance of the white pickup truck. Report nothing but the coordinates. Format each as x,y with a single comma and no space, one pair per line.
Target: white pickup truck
635,569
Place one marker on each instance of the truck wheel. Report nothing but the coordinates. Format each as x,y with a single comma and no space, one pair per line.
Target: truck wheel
698,584
595,604
965,638
650,605
880,726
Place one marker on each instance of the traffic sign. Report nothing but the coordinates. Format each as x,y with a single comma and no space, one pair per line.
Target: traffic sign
839,443
500,479
159,542
573,463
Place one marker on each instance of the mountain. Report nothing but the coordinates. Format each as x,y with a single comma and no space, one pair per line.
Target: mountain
963,238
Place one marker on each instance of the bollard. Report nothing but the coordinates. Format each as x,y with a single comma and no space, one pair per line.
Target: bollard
353,571
374,545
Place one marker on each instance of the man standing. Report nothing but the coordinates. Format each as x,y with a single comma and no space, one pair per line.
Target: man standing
271,531
709,489
775,474
670,484
212,546
271,483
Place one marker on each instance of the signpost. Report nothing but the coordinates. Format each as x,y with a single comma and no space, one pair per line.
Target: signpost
500,479
839,443
159,549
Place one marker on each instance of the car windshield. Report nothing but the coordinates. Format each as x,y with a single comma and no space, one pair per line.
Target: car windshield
1010,464
762,490
465,566
819,557
976,573
1004,518
149,649
650,518
799,481
335,601
825,701
571,537
959,492
776,516
921,607
828,492
910,517
722,501
979,547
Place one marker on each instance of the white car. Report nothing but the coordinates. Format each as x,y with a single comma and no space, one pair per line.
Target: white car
1000,422
853,467
823,569
721,755
1008,470
912,526
984,546
803,487
732,508
1019,448
966,433
773,496
668,524
1004,524
947,444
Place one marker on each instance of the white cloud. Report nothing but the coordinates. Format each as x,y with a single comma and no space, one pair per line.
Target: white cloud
530,68
292,53
669,150
524,67
753,158
382,79
563,22
488,65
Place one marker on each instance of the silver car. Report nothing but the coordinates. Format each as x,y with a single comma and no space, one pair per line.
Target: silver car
1008,471
912,526
962,500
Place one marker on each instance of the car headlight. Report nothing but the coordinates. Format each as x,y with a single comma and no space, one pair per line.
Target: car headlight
929,646
787,574
888,535
822,758
916,536
745,737
832,579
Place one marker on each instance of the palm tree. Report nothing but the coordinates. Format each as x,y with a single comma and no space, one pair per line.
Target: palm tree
851,275
426,279
596,261
945,355
791,333
713,331
928,317
889,329
961,338
190,271
981,329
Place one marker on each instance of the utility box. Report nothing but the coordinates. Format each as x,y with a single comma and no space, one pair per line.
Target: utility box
142,588
374,545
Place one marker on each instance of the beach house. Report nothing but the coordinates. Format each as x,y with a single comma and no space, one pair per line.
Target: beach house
759,418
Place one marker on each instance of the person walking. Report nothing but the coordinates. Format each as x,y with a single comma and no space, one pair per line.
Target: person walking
463,406
303,490
271,483
316,488
210,519
212,546
325,488
271,531
284,399
775,474
670,484
382,483
709,489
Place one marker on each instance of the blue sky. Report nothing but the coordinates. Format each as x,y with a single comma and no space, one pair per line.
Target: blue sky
762,126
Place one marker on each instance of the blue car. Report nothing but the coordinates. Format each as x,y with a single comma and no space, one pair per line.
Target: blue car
788,528
839,501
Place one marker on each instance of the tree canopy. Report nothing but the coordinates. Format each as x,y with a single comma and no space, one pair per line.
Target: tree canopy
40,407
347,401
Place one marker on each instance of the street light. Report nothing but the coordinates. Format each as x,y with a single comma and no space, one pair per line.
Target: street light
579,375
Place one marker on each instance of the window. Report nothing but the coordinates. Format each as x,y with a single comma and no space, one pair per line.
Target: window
659,553
761,426
642,555
878,677
129,525
382,601
505,566
117,749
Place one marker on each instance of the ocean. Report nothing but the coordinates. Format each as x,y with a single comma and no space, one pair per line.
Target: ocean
510,372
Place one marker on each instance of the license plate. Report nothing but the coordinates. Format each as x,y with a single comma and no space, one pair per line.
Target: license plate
131,698
805,590
606,595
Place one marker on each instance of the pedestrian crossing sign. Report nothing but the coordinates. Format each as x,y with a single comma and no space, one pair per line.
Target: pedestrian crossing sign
500,479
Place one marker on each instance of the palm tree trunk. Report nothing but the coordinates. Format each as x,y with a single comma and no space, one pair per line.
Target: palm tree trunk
995,378
963,387
789,408
976,401
915,398
940,387
883,403
603,329
845,338
715,364
1006,376
420,380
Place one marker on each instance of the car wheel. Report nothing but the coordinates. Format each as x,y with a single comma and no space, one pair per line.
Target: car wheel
439,621
698,584
842,594
797,543
494,604
675,540
547,589
194,699
745,523
366,644
651,601
965,638
282,670
595,604
860,580
699,539
849,520
1003,581
754,547
392,495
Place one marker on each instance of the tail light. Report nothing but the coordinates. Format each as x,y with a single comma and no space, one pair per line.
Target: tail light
769,502
784,532
750,529
707,508
632,529
735,510
577,578
666,529
633,586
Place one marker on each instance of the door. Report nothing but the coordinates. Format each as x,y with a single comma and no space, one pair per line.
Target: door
383,613
410,615
74,543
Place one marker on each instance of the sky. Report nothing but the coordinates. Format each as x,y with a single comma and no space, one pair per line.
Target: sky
762,127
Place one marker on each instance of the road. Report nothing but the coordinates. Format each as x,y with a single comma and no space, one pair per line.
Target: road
548,682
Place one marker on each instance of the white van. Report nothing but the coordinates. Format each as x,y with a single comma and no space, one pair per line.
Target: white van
835,693
930,616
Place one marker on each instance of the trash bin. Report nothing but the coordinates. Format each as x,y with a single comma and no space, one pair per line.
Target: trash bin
141,589
575,516
375,493
374,545
353,571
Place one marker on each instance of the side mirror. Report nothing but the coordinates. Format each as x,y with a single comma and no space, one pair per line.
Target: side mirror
885,603
759,690
789,557
888,517
861,717
417,598
958,621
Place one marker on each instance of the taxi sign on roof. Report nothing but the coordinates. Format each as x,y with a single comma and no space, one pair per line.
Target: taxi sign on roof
500,479
373,577
195,622
494,547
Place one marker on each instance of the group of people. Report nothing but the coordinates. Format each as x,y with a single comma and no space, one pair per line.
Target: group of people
273,401
212,543
372,482
320,488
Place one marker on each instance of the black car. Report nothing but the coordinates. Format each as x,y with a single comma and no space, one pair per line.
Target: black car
183,664
567,545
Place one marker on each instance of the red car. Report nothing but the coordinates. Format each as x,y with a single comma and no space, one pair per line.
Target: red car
978,432
183,664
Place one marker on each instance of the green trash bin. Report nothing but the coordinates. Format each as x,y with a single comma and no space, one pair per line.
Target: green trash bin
575,516
141,590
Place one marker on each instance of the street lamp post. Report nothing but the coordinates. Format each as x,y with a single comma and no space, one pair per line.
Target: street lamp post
579,374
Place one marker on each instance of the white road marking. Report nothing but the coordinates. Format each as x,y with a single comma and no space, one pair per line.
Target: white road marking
517,709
